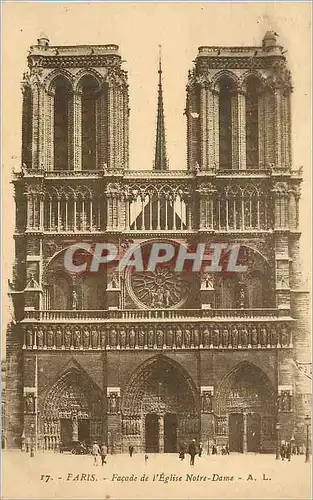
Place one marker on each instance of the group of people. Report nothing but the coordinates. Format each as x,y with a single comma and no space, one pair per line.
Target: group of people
193,449
99,451
287,450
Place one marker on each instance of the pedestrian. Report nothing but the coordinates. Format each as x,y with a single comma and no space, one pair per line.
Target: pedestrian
103,452
146,458
192,450
227,449
283,451
131,450
214,449
200,449
288,451
95,451
182,451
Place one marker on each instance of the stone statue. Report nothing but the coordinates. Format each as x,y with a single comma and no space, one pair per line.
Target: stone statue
285,403
77,338
141,338
207,402
263,335
102,339
132,338
113,338
113,403
170,337
179,337
58,337
254,337
50,338
74,300
113,283
160,337
167,295
196,337
187,338
86,338
29,403
29,338
242,298
94,338
215,337
150,338
40,338
225,337
206,338
235,337
67,338
284,336
123,338
244,336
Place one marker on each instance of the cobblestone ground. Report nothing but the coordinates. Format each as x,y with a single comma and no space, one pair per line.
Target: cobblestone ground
48,475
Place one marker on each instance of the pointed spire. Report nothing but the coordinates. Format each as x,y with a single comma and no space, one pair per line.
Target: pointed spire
160,159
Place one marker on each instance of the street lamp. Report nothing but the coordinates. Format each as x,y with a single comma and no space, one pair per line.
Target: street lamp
277,441
307,451
32,426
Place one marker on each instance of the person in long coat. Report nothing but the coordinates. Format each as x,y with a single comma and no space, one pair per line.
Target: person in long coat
192,450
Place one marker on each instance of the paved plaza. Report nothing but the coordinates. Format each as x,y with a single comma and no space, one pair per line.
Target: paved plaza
48,475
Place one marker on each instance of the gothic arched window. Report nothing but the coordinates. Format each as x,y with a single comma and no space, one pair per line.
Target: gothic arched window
225,122
90,89
61,123
252,122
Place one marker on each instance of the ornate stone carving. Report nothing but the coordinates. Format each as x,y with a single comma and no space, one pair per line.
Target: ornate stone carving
29,403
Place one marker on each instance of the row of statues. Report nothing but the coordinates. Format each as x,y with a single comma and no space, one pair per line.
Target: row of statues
131,426
121,337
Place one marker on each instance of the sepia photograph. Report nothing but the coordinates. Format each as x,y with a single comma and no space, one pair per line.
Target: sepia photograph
156,250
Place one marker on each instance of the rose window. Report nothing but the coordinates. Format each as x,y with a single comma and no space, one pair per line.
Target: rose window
163,288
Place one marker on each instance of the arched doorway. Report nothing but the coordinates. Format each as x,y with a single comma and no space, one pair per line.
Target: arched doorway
245,403
71,411
170,433
152,433
162,400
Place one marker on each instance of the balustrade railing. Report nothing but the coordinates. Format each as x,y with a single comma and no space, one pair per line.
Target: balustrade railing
148,314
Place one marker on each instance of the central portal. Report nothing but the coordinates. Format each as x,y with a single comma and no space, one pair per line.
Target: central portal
170,433
152,433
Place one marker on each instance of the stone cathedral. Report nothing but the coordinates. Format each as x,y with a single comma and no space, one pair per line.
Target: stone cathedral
154,359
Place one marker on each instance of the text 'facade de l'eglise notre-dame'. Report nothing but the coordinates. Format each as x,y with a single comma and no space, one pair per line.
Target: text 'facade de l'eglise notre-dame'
154,359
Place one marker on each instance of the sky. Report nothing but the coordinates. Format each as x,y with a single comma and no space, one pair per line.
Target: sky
138,28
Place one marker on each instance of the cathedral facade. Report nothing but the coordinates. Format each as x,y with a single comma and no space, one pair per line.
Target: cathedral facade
157,358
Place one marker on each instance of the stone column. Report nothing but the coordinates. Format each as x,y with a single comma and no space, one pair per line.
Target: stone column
262,125
234,131
161,433
35,125
278,127
245,433
216,129
111,127
77,131
49,130
125,142
241,110
102,113
203,127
